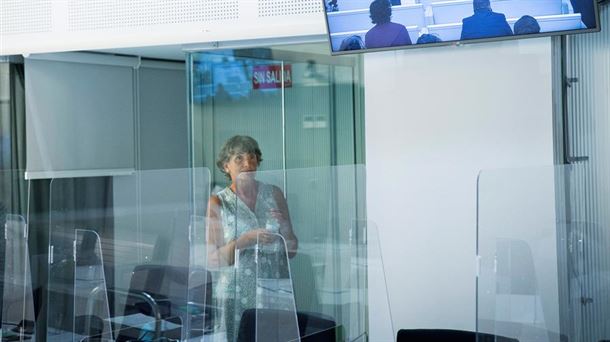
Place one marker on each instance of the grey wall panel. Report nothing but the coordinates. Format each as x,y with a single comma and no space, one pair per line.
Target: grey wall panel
589,135
80,117
308,117
345,98
163,118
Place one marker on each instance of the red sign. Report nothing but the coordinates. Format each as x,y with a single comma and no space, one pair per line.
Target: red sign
270,76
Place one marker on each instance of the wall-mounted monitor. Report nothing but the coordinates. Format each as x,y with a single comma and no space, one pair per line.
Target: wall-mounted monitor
374,25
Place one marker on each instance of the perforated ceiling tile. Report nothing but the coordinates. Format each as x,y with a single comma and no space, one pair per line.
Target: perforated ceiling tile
25,16
108,14
270,8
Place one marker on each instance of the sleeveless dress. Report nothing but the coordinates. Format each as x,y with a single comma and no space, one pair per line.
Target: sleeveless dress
237,284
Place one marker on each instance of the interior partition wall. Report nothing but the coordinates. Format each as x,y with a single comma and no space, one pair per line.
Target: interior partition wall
586,139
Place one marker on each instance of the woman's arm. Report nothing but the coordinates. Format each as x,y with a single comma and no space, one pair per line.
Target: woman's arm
283,217
219,253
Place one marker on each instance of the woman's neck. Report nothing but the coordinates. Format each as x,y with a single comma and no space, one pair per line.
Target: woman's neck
247,192
247,188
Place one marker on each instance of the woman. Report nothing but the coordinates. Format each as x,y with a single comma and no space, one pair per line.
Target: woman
241,214
385,33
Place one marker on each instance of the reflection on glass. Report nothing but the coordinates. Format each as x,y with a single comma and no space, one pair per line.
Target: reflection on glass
543,249
120,261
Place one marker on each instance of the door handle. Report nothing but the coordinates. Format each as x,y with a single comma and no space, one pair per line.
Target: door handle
586,300
572,160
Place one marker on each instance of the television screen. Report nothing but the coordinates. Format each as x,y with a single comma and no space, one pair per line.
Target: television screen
371,25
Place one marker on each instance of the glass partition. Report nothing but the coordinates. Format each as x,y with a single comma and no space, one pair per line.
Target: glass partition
311,248
17,297
370,264
120,261
544,265
146,257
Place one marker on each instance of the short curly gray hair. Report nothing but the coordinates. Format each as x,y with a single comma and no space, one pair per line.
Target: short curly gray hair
237,144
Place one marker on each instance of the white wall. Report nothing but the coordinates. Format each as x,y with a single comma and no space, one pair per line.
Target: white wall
434,118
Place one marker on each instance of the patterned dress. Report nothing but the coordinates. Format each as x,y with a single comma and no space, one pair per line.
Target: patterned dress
236,288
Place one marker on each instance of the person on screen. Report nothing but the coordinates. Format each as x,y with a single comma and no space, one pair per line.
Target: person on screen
527,25
385,33
428,38
586,8
484,23
352,43
332,6
241,215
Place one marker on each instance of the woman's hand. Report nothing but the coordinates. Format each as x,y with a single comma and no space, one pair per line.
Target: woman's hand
249,238
279,216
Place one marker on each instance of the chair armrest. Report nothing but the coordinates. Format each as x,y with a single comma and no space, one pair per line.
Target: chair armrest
148,299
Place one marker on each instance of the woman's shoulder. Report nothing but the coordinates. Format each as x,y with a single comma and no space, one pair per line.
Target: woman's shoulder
222,195
222,191
214,199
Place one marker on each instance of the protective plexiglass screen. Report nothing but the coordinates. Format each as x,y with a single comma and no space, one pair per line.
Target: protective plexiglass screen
120,261
17,297
543,242
307,256
91,308
355,25
274,313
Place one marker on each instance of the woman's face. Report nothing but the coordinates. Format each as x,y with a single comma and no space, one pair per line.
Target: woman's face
242,162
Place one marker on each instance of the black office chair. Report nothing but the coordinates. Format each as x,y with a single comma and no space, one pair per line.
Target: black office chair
162,292
447,335
312,327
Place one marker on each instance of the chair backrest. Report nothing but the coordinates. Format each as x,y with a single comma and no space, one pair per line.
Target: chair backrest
173,289
447,335
168,281
171,283
316,328
312,328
